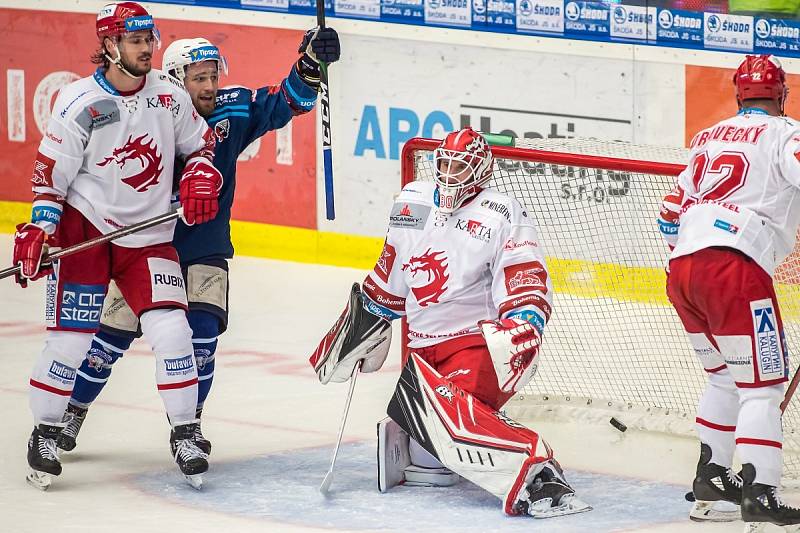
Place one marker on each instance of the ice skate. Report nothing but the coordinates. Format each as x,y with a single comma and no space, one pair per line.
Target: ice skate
73,418
717,491
762,508
548,494
42,456
203,443
192,461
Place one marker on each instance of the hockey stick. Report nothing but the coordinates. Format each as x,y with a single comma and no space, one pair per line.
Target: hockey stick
85,245
326,483
325,111
790,390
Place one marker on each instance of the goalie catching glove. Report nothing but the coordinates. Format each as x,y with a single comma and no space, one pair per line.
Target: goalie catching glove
513,345
357,335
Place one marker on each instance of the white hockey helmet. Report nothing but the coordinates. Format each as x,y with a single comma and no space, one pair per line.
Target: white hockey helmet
184,52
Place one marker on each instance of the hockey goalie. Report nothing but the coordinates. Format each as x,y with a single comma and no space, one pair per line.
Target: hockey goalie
463,263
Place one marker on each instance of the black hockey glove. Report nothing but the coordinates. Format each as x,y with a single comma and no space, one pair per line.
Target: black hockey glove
321,45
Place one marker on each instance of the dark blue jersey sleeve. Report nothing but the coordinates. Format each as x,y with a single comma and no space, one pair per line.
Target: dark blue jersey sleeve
272,107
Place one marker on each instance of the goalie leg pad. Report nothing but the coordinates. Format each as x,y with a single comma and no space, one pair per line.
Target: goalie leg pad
470,438
356,335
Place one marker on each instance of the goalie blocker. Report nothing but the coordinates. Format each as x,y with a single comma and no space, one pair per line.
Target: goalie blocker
356,335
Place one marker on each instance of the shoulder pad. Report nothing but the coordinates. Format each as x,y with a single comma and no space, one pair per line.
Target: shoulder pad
418,191
166,78
77,91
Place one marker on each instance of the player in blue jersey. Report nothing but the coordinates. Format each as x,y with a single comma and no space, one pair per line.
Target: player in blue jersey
238,116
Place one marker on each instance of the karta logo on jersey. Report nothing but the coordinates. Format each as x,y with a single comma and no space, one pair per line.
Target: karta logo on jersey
475,228
434,265
525,277
145,154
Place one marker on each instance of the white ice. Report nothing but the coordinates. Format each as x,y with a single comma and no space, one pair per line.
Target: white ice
273,427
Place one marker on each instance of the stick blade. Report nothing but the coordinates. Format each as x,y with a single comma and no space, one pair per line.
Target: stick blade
326,483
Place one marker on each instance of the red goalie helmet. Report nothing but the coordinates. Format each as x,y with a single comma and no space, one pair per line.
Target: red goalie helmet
760,77
463,164
122,17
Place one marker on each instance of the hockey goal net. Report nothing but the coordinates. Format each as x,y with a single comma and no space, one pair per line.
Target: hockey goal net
614,346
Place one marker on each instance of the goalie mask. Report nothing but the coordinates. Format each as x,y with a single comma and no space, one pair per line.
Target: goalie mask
760,77
462,166
184,52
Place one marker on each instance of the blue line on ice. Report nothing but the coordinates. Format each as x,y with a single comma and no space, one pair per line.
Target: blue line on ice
283,487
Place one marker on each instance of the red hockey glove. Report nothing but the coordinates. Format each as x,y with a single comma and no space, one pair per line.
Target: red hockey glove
513,345
200,185
29,248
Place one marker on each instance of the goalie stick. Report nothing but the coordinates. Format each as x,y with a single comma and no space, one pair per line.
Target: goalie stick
325,112
85,245
326,483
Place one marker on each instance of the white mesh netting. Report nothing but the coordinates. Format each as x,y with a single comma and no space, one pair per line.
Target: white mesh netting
614,346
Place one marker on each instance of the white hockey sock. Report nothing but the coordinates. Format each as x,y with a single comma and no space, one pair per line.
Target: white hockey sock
168,332
717,415
759,436
53,375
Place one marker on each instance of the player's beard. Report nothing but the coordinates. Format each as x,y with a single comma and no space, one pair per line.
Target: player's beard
133,66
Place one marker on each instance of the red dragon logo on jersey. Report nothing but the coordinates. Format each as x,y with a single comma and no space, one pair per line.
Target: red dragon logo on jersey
146,154
433,263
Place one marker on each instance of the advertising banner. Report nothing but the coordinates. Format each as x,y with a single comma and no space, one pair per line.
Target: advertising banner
276,175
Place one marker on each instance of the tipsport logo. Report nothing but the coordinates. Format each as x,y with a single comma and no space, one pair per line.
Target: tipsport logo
144,22
205,53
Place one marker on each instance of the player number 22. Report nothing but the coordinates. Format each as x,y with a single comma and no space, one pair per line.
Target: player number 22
719,178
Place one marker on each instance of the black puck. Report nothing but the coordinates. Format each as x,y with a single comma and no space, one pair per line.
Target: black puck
689,496
617,424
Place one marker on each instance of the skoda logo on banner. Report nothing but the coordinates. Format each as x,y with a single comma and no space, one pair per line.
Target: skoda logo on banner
526,7
713,23
572,11
762,28
619,15
665,19
434,4
479,6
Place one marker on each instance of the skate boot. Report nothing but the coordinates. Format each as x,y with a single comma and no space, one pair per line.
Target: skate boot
73,418
203,443
42,456
761,505
191,459
548,494
717,491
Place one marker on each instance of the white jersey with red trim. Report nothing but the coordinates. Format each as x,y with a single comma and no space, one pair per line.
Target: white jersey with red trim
111,156
741,189
447,272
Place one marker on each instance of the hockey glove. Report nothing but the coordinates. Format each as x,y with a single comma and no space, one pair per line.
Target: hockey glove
513,345
321,45
199,190
29,249
318,45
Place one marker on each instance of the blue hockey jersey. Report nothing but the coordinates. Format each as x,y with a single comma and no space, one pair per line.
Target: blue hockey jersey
240,117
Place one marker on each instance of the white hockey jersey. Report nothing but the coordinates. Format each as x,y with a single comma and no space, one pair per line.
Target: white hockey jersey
111,156
447,272
741,188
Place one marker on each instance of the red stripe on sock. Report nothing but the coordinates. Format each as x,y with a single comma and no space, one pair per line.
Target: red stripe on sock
713,370
759,442
48,388
712,425
181,385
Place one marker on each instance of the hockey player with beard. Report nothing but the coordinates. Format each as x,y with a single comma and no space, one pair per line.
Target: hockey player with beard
238,116
464,265
730,221
106,162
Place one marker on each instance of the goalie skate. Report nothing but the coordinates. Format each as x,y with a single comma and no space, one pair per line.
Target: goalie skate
548,494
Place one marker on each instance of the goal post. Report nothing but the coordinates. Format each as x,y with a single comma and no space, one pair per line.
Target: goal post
614,346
